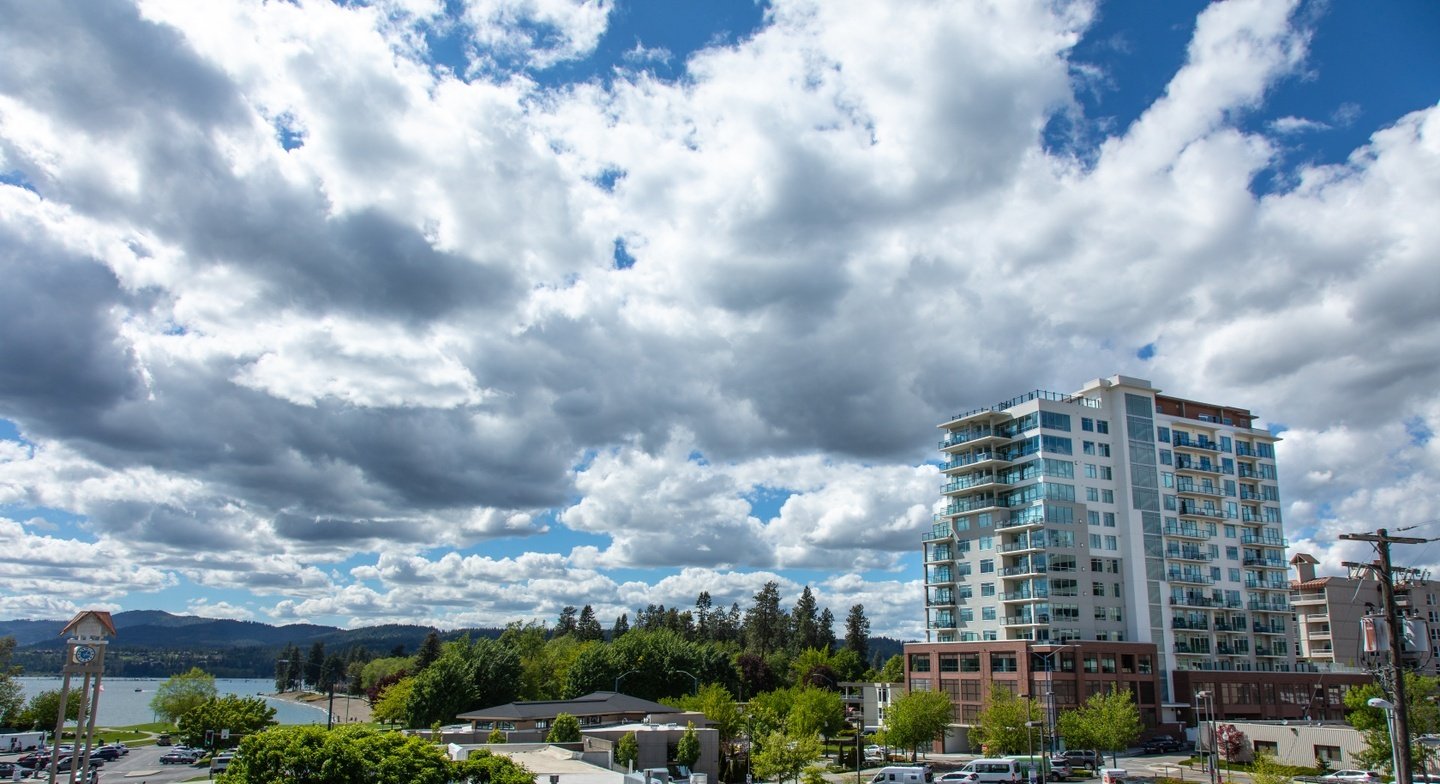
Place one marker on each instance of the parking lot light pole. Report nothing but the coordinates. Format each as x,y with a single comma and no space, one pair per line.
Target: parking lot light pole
1389,708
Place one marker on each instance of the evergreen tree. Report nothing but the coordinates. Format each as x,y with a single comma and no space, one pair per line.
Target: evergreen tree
704,631
315,664
804,623
622,625
827,629
565,624
294,667
765,622
429,651
857,632
333,671
587,628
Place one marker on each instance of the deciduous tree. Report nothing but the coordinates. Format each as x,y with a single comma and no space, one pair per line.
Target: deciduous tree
1002,727
915,718
627,751
39,712
1422,713
242,716
1109,721
565,729
783,757
311,754
180,693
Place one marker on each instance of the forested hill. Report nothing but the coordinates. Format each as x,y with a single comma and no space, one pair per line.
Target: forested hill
153,643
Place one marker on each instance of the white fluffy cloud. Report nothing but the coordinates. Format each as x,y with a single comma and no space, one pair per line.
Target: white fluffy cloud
326,328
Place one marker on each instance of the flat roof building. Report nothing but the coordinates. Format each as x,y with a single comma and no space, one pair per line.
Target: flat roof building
1118,514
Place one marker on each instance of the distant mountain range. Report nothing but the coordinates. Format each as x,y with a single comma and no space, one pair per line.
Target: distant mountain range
152,643
159,629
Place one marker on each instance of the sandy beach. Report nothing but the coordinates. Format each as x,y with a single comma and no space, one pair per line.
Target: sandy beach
347,709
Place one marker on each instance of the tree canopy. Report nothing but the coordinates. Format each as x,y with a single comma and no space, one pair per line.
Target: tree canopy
1109,721
311,754
1422,712
783,757
242,716
917,717
565,729
181,693
1003,726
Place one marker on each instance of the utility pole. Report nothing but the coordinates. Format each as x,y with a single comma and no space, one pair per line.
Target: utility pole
1401,737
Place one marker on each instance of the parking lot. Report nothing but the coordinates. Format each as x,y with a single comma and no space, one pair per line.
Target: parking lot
142,766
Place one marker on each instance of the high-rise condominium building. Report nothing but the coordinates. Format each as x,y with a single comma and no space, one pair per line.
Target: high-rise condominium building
1114,514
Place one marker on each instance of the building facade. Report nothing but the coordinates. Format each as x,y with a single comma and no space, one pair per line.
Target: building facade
1329,612
1113,514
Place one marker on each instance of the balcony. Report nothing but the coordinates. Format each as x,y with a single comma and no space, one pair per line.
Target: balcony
1266,585
1202,444
1233,649
1250,495
1023,570
1260,605
1265,563
1308,598
971,435
1246,472
1193,648
1232,627
1187,554
1276,651
940,577
1191,601
1186,531
1196,510
1025,620
1182,576
972,503
1267,540
1025,596
1016,547
1273,628
1197,466
972,459
1025,523
1191,488
972,481
1191,624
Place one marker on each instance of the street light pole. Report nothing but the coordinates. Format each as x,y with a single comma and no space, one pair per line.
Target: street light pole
695,681
1211,753
1389,708
621,677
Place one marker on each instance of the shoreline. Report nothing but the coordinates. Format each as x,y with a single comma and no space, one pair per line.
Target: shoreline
348,709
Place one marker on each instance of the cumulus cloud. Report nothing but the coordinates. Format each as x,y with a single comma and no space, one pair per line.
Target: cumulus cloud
326,308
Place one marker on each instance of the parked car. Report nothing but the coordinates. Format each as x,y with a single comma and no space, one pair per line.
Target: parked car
107,753
177,758
1360,776
1162,745
34,759
1083,758
1060,768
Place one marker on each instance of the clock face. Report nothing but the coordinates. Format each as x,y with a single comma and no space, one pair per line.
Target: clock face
84,654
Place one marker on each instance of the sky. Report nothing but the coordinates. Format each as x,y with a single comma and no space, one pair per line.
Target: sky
460,312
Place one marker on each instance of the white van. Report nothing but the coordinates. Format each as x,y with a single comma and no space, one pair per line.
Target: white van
994,771
904,774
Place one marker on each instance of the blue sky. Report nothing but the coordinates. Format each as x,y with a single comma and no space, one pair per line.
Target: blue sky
460,313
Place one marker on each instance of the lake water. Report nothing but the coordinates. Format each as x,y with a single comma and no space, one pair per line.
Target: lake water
125,701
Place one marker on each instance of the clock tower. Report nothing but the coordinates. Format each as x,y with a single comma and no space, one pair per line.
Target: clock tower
90,633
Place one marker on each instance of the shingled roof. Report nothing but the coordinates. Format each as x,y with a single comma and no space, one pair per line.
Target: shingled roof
592,704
